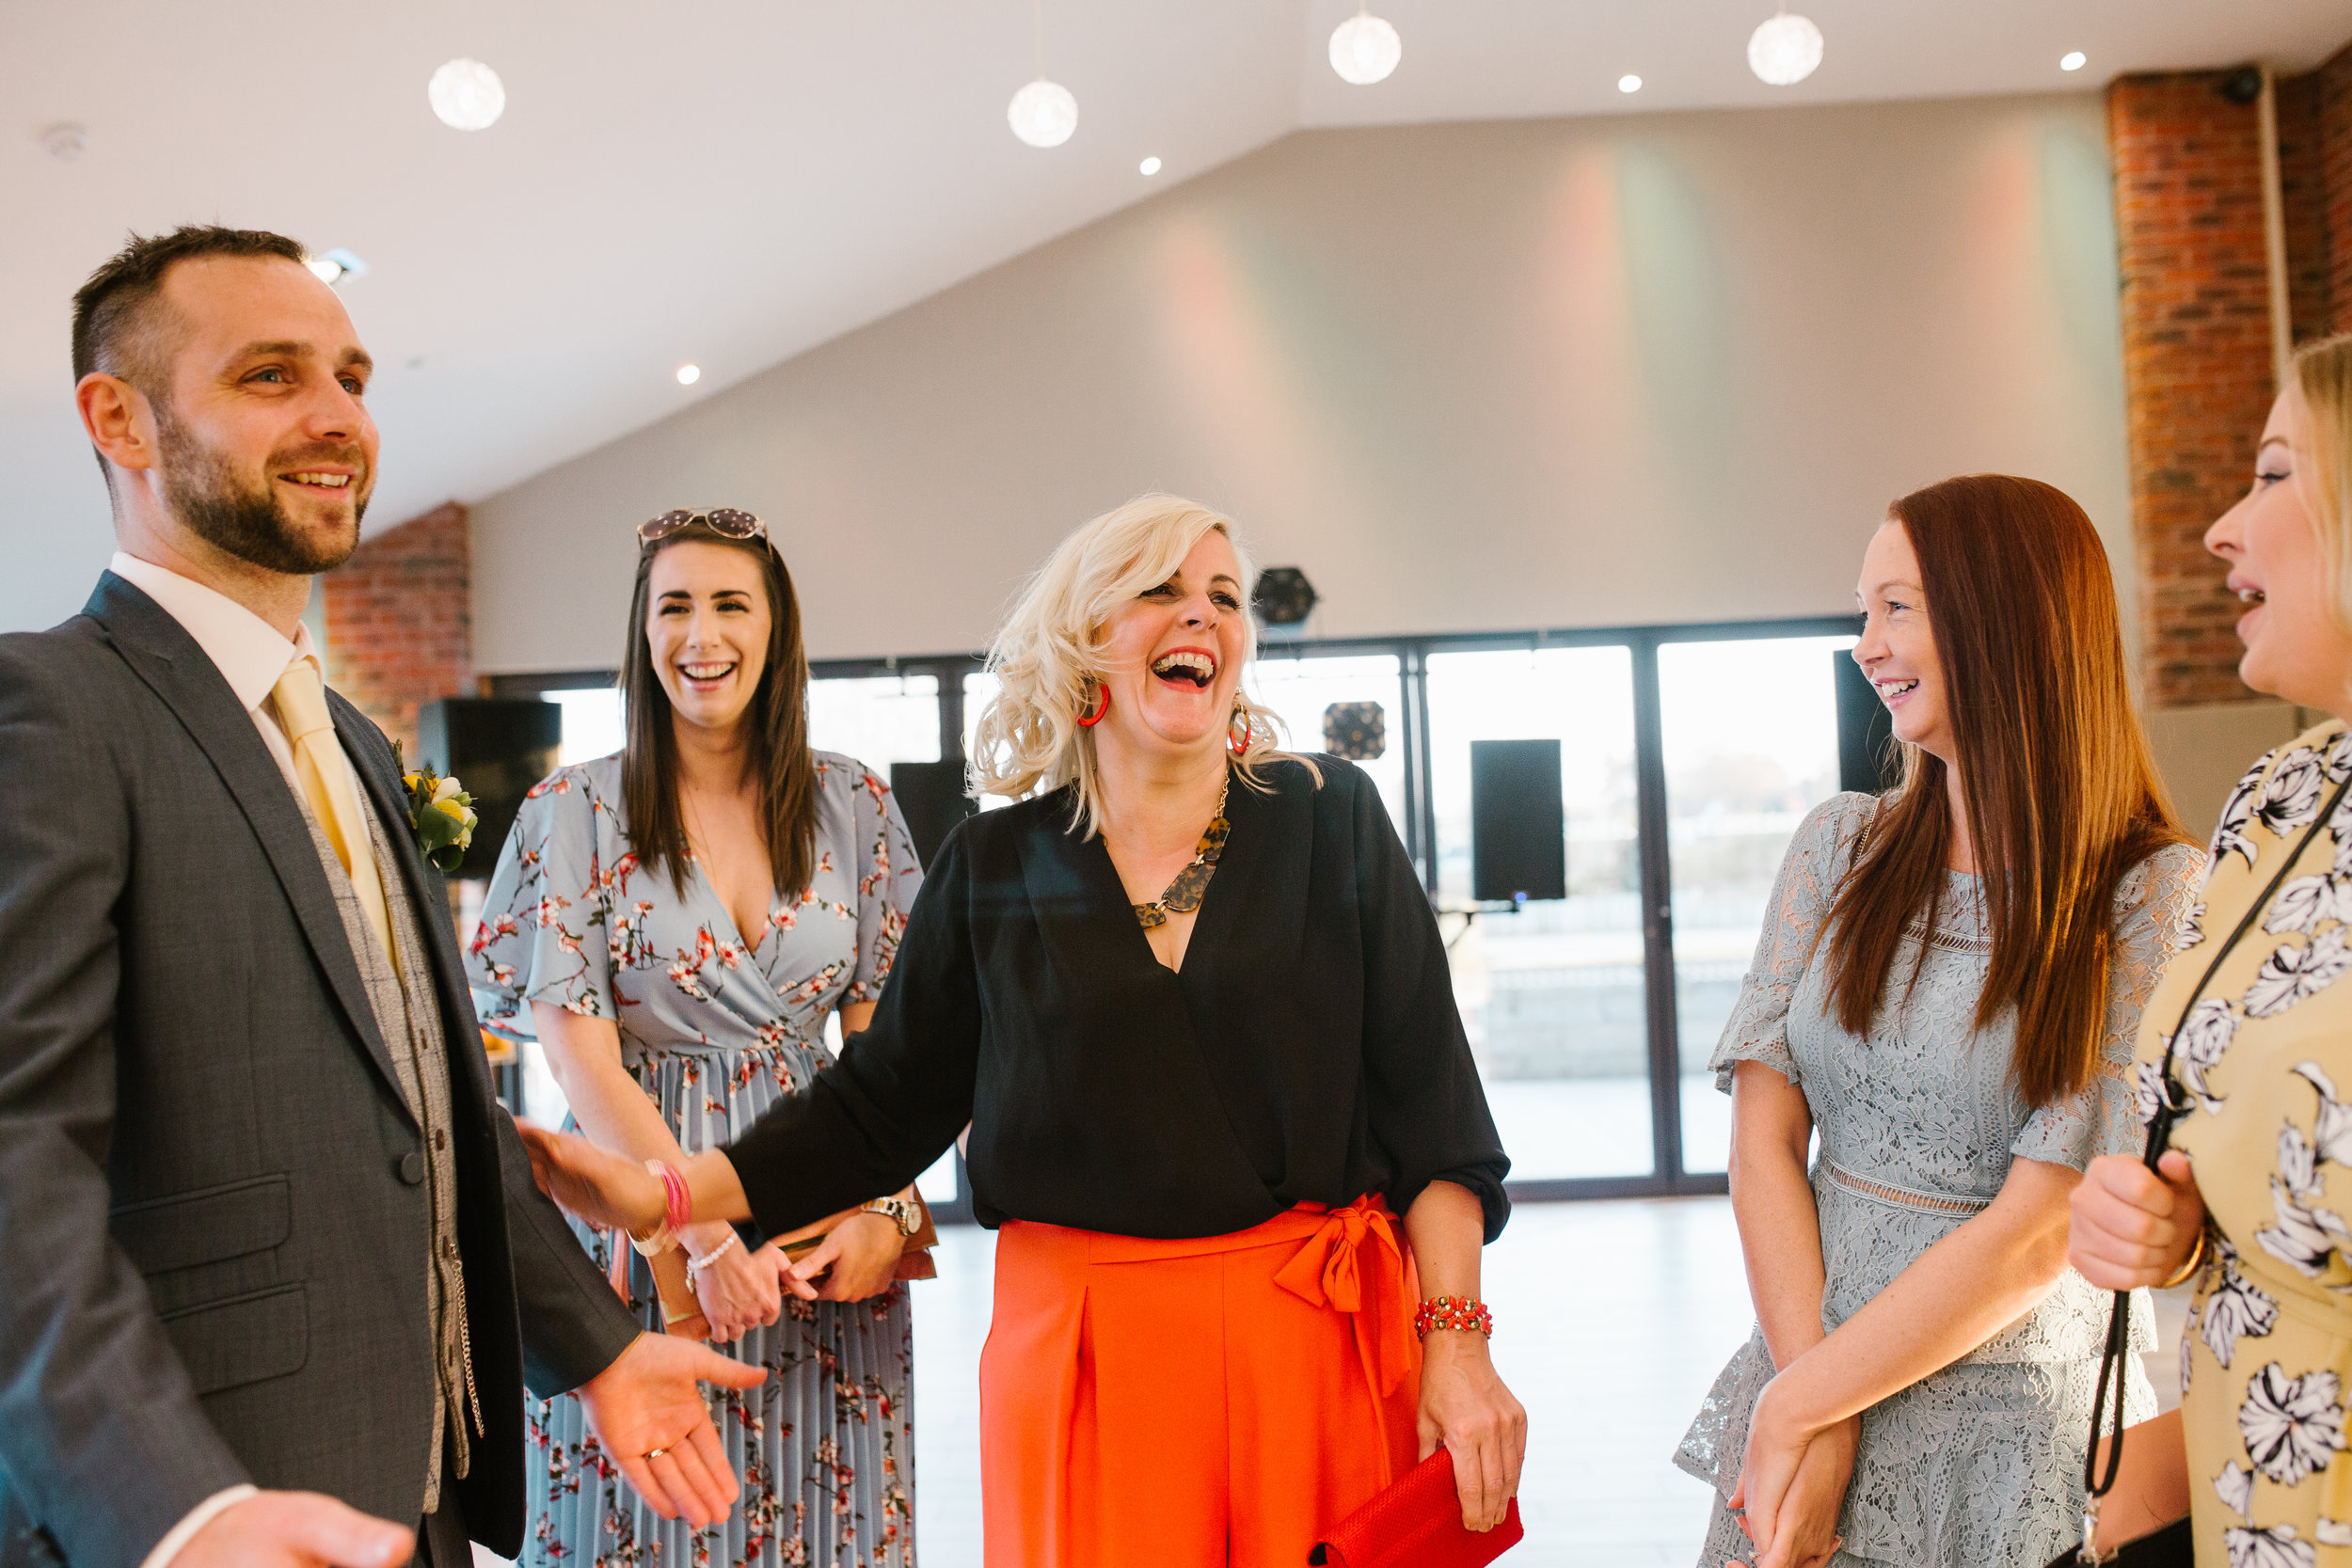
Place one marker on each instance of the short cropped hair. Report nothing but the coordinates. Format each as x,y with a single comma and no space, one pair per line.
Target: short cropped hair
113,324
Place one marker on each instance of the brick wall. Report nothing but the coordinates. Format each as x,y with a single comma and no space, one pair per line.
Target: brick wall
2334,196
2303,192
2197,350
399,620
2197,367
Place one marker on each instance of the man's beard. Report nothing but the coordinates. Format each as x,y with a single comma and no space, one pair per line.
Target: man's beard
251,524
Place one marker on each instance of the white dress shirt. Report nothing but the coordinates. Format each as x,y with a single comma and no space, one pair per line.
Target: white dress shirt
248,651
250,655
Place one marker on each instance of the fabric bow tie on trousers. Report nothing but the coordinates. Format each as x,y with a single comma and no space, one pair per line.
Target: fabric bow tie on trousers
1159,1398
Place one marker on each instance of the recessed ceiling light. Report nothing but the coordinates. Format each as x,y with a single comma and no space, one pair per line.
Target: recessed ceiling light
1150,165
331,268
1629,83
2073,60
467,95
689,374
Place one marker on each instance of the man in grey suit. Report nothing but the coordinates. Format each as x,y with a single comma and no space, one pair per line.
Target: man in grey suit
272,1273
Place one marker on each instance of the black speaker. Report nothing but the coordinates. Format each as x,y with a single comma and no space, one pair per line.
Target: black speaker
1868,758
932,799
497,748
1518,829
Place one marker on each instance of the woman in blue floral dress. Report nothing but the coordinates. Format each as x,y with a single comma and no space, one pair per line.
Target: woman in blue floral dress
678,978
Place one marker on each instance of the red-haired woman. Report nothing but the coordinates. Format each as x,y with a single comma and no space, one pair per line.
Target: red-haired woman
1946,991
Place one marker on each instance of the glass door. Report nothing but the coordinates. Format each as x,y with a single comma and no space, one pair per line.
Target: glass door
1749,733
1303,692
1552,993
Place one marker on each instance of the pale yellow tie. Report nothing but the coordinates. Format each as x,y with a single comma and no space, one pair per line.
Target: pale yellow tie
300,696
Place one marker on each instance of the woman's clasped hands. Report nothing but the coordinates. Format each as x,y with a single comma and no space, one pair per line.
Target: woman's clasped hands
741,1288
1792,1483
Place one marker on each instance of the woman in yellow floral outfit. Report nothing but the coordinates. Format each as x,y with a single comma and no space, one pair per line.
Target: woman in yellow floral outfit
2250,1039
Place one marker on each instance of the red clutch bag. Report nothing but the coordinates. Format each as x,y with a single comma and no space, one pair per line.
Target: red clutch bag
1418,1523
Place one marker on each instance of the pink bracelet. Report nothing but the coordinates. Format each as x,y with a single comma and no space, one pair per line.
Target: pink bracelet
679,1203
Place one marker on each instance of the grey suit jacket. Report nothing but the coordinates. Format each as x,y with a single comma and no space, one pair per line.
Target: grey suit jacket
212,1216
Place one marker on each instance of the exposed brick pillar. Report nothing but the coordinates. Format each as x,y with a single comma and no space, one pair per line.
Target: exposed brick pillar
400,620
2334,196
2303,193
2197,366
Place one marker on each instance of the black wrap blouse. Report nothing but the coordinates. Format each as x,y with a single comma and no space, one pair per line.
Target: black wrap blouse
1309,1049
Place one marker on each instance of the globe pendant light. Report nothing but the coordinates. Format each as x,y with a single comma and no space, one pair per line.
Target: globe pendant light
1365,49
1784,50
1043,114
467,95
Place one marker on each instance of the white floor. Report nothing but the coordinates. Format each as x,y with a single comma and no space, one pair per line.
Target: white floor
1611,1320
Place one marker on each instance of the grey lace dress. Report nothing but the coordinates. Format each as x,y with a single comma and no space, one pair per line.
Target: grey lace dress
717,1031
1981,1463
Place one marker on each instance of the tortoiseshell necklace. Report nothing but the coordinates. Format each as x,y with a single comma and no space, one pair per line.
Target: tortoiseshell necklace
1191,885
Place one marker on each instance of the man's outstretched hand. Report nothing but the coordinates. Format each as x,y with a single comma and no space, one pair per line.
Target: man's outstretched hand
296,1530
647,1410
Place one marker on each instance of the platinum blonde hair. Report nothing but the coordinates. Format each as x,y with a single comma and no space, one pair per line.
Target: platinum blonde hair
2324,372
1028,740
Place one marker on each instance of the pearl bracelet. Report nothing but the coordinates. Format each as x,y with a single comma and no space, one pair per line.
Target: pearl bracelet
698,1264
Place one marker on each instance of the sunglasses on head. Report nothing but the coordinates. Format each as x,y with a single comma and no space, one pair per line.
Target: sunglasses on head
726,521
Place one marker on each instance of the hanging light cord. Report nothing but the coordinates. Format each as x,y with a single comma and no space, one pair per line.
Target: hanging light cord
1040,19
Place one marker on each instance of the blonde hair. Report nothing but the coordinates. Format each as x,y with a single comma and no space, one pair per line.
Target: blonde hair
2324,372
1028,740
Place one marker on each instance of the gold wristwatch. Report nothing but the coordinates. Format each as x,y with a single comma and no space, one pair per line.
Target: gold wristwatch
904,1212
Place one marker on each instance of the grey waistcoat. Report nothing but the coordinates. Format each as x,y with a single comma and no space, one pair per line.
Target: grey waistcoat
410,1022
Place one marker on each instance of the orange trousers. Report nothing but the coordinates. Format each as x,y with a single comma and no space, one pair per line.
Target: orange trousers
1182,1404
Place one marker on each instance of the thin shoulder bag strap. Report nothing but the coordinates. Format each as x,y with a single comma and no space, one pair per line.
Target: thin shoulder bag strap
2111,1376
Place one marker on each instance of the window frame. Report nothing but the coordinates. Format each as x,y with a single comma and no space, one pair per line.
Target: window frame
1667,1178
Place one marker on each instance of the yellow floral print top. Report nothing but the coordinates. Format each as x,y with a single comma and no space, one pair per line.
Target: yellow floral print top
2261,1069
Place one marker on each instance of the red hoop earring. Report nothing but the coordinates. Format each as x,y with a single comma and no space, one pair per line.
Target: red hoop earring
1087,720
1248,732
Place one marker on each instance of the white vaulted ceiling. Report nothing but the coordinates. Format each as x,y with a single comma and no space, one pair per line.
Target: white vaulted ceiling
731,181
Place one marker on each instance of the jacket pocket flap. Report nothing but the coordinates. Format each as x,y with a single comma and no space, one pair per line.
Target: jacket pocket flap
242,1339
189,1228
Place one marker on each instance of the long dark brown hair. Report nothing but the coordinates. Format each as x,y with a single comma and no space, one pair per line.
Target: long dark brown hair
2061,795
778,714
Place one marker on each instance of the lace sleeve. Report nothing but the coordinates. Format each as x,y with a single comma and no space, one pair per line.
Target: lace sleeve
2150,905
1757,1030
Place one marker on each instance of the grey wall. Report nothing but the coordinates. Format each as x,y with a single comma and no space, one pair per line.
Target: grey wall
1548,372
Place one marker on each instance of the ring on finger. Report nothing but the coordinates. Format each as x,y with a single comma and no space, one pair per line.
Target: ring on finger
656,1453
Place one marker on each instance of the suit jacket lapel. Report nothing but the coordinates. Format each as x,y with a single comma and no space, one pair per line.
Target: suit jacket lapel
161,653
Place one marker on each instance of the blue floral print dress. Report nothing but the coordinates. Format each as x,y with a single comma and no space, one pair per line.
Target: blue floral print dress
717,1031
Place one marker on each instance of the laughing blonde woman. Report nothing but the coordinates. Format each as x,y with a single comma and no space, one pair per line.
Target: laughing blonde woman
1191,998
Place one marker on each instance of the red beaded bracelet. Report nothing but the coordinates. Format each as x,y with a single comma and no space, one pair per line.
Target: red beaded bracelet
1458,1312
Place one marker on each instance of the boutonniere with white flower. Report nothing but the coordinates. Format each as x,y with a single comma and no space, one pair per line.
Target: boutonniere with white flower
440,814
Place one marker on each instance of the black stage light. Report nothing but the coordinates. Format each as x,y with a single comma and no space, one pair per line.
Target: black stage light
1285,597
2243,85
1356,732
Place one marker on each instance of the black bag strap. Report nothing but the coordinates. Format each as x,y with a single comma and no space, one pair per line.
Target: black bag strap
2168,1110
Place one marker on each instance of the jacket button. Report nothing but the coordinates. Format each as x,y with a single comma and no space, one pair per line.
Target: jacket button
412,1167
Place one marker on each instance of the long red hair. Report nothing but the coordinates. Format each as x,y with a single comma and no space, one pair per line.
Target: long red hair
2061,795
